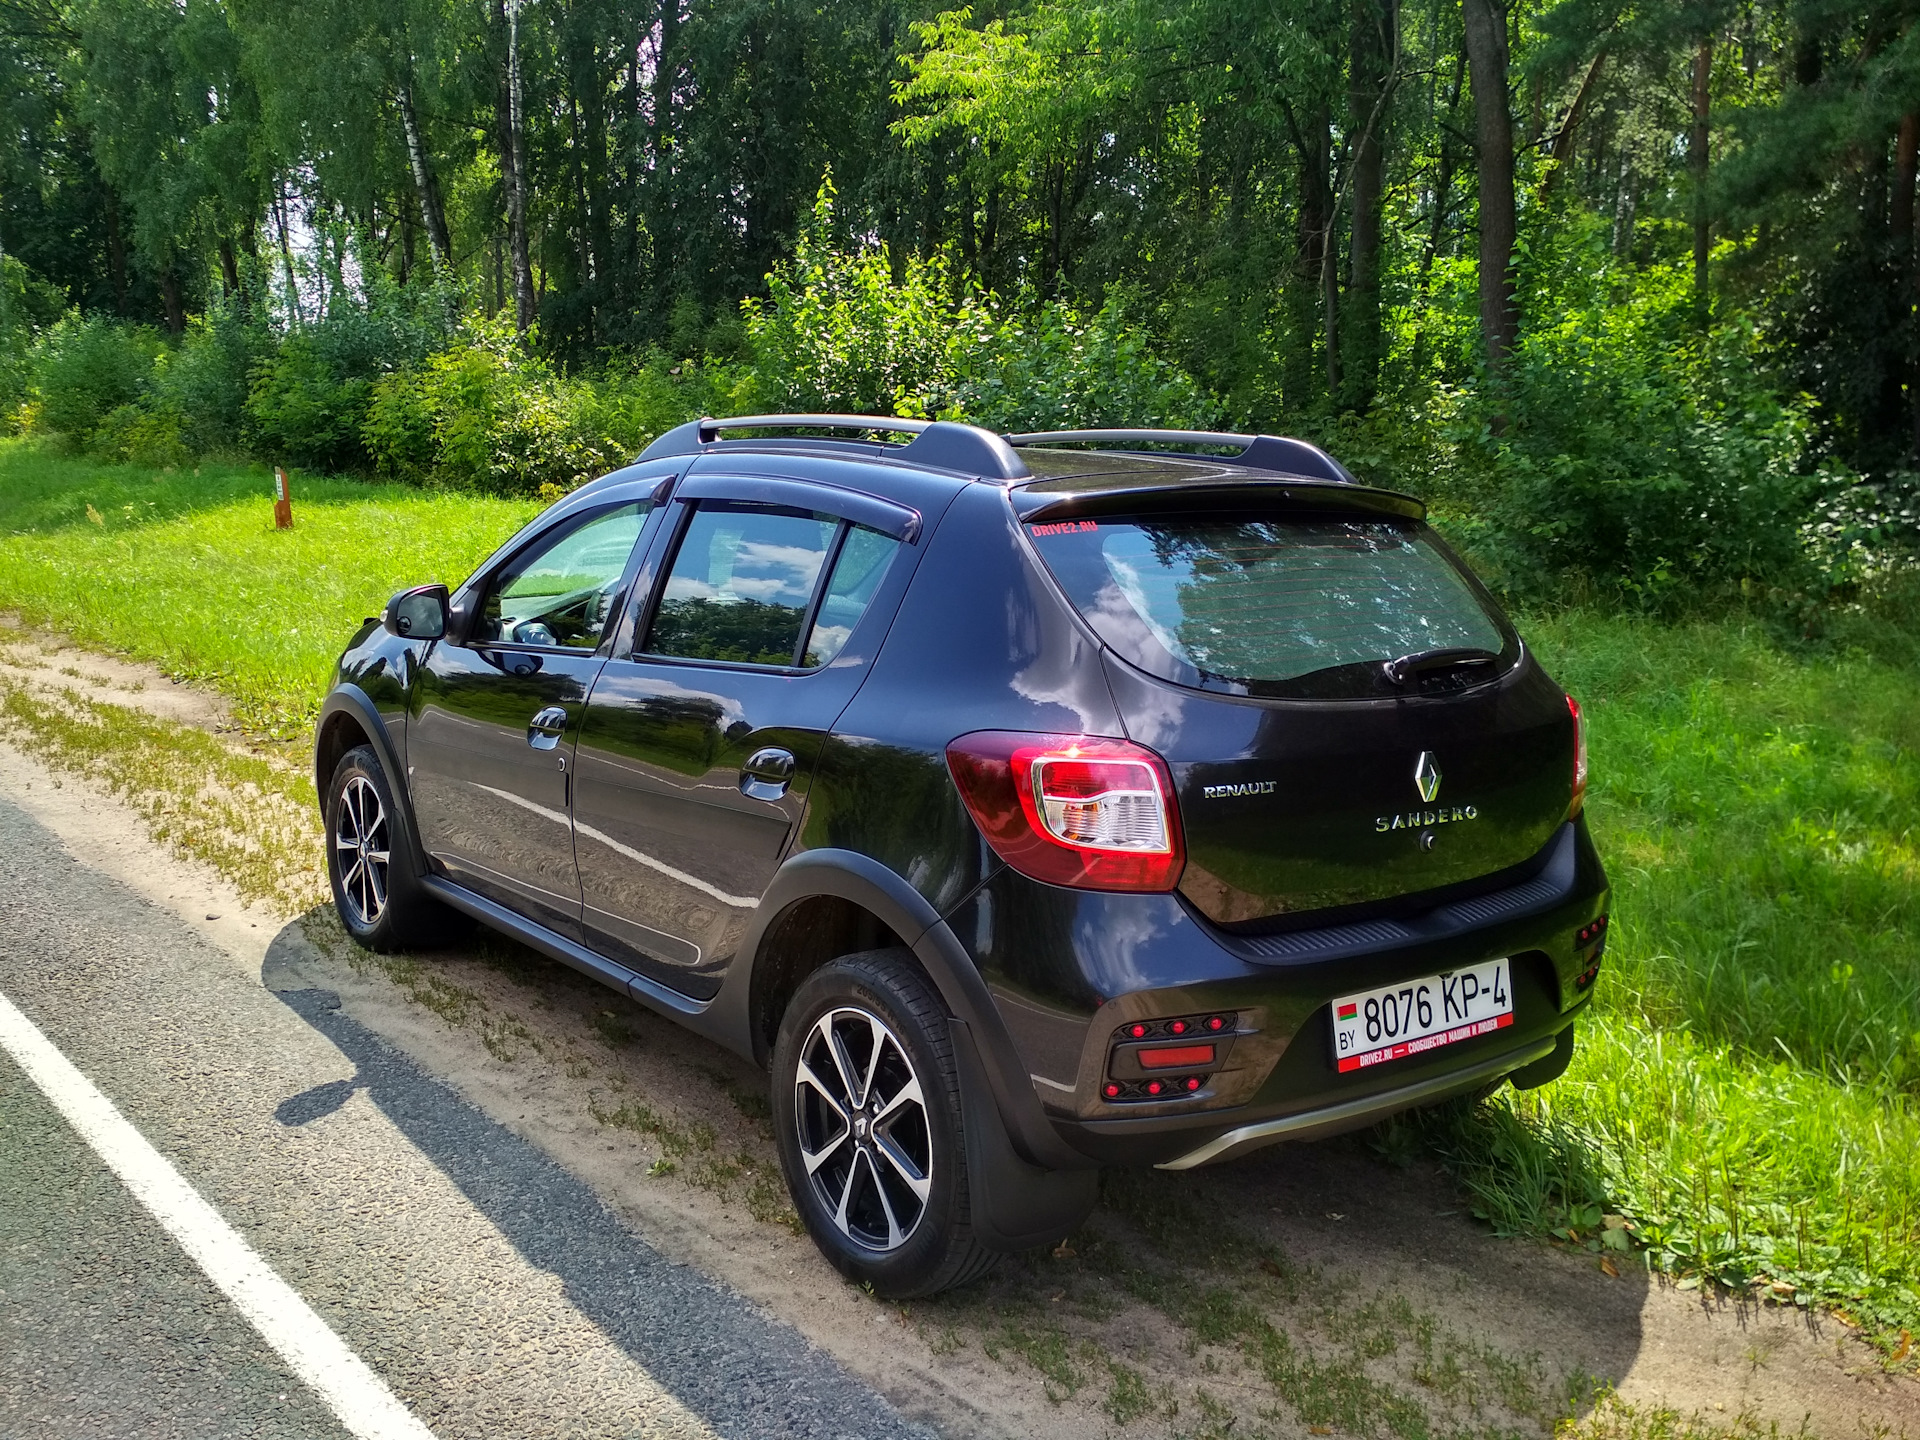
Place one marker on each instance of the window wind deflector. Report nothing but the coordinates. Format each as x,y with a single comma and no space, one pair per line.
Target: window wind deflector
897,522
1405,667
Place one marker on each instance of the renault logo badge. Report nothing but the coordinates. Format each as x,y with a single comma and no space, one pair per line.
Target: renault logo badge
1426,776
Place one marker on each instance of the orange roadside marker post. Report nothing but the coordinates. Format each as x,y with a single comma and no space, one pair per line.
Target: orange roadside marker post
282,500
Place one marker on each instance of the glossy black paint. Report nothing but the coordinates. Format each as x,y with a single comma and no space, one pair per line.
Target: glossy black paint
657,862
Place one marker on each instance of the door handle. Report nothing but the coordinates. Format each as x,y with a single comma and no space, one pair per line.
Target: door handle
767,774
546,727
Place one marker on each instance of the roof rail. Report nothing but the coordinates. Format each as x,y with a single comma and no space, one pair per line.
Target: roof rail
940,444
1260,452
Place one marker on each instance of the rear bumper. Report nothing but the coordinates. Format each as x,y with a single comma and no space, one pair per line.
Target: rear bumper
1117,959
1363,1110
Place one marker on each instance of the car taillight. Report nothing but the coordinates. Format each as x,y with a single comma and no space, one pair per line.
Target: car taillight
1579,758
1072,809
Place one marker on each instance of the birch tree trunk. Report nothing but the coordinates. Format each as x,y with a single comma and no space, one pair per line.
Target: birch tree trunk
515,156
432,212
1697,163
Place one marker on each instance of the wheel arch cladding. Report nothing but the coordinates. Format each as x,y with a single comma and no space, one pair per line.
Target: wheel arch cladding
340,732
809,933
348,720
876,890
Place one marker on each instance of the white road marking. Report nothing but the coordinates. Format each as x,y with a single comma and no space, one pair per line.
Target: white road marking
357,1396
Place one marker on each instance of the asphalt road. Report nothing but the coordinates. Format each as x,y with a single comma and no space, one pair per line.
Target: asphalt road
489,1289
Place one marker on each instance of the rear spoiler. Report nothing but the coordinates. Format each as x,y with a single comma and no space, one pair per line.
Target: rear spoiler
1088,495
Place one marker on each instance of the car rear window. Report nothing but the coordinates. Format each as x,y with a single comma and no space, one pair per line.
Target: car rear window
1260,606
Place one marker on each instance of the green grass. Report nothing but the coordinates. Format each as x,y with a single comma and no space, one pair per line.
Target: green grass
184,567
1747,1092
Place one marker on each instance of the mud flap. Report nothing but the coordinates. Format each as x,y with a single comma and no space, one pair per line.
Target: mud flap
1550,1066
1015,1205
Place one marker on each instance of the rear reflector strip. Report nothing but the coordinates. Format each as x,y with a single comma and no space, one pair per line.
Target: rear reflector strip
1175,1057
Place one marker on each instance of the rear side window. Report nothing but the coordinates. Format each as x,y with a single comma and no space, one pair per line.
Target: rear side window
746,583
1308,608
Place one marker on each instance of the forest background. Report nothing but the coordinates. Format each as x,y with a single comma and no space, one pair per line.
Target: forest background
1628,288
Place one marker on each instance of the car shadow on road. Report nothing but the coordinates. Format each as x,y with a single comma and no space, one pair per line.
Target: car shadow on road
740,1371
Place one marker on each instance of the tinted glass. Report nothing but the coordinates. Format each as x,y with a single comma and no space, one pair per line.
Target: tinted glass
558,593
741,584
856,576
1265,606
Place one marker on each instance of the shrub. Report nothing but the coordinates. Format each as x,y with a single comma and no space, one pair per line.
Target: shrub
28,305
838,333
1623,446
85,369
1045,368
308,401
487,413
203,382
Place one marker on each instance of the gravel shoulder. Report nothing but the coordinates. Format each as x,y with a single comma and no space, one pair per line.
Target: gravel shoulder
1358,1285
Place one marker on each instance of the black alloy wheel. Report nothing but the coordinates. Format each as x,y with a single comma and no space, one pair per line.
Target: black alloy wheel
868,1117
379,900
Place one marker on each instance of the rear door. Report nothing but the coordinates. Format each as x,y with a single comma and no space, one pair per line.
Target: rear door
700,737
1255,649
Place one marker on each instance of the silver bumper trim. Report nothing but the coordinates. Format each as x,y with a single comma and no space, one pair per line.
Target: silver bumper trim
1350,1113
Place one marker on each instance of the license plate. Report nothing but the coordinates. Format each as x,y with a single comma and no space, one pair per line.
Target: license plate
1415,1016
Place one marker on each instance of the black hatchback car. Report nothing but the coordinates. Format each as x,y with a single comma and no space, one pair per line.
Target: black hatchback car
1026,804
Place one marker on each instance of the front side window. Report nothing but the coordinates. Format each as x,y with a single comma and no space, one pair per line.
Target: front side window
744,583
1308,608
557,595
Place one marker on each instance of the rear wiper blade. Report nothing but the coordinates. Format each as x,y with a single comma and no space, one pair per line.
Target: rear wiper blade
1454,657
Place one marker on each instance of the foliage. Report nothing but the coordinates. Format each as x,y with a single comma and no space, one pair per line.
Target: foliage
488,414
28,305
1625,446
310,396
86,370
839,332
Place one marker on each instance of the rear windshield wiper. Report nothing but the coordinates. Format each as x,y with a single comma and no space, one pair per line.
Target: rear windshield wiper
1453,658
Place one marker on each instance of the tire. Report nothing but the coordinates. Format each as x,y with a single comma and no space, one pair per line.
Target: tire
886,1195
375,892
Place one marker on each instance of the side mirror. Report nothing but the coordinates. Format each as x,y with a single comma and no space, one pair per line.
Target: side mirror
418,614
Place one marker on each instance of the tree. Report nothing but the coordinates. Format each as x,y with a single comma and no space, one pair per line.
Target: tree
1485,24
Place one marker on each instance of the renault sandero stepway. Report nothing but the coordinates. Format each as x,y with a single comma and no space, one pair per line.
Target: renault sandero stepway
1023,804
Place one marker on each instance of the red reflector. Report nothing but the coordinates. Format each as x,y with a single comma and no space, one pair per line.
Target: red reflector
1137,1030
1178,1027
1579,758
1176,1057
1193,1082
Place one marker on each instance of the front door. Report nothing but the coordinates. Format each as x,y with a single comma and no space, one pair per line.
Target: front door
490,738
695,753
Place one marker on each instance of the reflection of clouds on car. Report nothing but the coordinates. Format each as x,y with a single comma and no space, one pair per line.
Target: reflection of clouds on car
772,573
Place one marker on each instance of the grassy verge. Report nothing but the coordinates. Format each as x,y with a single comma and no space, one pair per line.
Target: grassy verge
1745,1096
252,819
184,568
1745,1107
